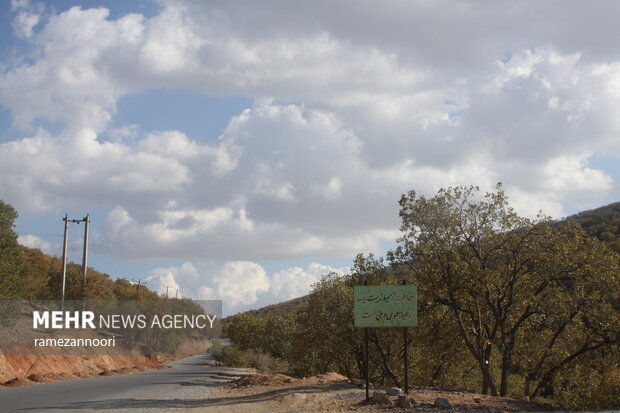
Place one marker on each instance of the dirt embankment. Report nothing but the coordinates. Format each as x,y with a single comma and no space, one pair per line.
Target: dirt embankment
18,370
331,392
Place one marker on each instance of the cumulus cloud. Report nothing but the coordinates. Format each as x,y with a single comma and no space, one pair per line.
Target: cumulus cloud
24,23
353,106
239,284
33,241
169,280
296,281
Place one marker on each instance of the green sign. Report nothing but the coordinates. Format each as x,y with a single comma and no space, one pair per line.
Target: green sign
385,305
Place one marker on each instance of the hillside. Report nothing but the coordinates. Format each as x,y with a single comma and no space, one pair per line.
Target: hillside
296,305
602,223
29,274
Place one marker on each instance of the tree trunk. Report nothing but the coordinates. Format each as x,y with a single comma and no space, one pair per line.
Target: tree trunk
526,387
485,384
488,386
506,365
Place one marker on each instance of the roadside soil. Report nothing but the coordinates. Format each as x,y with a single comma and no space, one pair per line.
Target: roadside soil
27,370
331,392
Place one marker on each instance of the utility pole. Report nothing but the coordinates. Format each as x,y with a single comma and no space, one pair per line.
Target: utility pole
138,284
85,255
64,264
66,219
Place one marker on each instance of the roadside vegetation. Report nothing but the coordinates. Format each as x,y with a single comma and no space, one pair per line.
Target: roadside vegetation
29,274
507,306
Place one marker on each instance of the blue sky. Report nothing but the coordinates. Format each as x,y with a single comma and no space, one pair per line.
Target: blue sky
239,151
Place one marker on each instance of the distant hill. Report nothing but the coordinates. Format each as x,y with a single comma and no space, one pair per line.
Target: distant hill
296,305
603,223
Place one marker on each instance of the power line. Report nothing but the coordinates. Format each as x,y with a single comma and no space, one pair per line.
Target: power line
40,235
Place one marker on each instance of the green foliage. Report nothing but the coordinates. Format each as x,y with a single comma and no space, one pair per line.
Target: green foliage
232,356
323,337
272,335
603,223
263,362
124,290
526,297
513,305
294,306
28,273
12,265
607,395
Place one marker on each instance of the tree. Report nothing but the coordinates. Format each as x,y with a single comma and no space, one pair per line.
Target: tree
534,296
12,264
328,340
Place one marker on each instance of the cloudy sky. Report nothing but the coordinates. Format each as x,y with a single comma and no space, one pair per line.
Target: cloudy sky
239,149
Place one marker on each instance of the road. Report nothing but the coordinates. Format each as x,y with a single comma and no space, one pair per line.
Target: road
167,390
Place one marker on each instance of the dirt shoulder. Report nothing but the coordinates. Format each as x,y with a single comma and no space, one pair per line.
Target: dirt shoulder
24,370
273,393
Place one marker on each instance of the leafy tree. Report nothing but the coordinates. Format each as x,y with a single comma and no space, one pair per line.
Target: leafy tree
330,342
41,268
12,265
534,296
328,339
603,223
124,290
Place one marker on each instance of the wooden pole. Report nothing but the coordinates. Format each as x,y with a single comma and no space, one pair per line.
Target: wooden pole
406,357
366,373
85,256
64,264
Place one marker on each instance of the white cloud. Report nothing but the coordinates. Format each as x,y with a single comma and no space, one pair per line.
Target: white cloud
296,281
352,108
240,281
24,22
239,284
570,174
170,280
127,132
33,241
163,284
331,190
20,4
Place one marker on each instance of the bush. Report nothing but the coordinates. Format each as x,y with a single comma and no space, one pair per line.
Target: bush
608,393
233,356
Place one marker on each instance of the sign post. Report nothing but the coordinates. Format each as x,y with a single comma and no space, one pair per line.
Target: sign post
406,356
366,373
385,306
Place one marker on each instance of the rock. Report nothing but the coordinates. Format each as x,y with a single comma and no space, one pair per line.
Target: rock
380,397
443,403
477,400
405,402
394,391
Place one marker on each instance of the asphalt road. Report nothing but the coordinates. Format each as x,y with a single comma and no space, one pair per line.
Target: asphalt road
183,386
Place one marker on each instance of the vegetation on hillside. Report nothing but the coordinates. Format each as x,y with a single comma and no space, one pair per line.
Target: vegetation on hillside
28,273
603,223
507,305
294,306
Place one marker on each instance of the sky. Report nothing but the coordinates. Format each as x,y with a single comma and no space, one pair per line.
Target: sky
239,150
